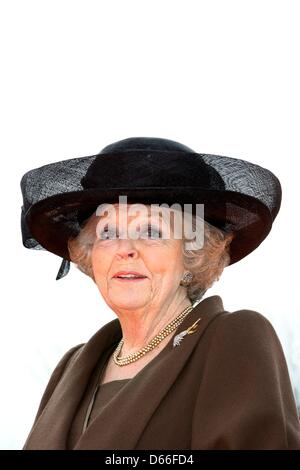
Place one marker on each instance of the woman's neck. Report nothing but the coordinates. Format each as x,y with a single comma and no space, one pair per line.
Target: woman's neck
141,325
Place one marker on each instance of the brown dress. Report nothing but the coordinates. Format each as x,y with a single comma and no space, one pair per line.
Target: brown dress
95,400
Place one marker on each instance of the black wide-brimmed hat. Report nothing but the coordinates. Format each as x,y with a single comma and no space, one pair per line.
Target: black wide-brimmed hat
238,196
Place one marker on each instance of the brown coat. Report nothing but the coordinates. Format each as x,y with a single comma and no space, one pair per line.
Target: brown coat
226,386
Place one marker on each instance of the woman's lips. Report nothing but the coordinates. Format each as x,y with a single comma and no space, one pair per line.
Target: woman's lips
132,279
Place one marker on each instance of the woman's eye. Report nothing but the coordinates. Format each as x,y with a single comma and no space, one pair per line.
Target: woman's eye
152,232
148,233
107,234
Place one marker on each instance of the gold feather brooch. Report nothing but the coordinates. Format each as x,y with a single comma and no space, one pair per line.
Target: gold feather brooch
178,338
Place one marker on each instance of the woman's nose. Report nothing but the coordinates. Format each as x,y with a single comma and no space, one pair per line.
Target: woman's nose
126,249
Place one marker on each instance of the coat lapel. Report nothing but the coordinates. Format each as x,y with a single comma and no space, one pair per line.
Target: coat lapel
112,428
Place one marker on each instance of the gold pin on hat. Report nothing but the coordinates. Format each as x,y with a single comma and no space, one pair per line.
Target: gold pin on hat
191,329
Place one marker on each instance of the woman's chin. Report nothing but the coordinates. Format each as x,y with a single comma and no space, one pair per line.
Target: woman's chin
129,300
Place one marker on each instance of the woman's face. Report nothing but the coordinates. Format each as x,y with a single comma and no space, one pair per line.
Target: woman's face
160,261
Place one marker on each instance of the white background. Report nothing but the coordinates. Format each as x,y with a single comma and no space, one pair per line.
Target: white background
220,77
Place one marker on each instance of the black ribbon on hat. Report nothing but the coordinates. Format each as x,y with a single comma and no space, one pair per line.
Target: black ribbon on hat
64,269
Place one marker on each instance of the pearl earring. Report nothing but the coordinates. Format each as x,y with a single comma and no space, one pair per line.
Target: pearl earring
186,280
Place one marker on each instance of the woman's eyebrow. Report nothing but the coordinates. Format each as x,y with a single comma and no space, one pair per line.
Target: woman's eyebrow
151,220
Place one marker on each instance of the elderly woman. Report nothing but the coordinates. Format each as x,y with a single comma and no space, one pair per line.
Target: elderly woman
173,370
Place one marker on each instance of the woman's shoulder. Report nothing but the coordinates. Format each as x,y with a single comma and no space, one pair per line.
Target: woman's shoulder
70,354
245,318
68,357
246,330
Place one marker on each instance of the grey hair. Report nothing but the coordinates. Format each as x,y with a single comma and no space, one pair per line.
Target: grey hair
208,262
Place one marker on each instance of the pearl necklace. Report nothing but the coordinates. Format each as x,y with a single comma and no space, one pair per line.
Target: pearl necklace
153,343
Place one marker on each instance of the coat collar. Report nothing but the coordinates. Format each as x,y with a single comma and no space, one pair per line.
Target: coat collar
110,429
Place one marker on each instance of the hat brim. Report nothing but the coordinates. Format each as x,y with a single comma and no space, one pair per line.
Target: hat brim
53,220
